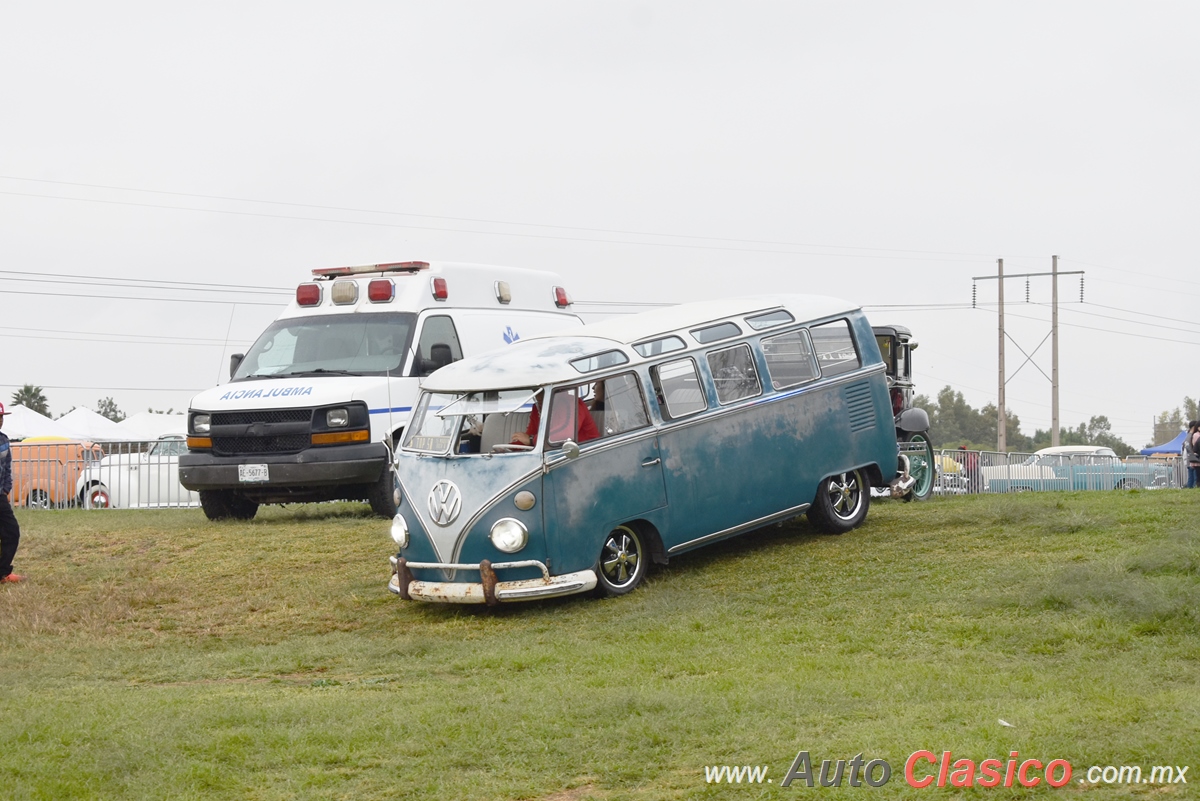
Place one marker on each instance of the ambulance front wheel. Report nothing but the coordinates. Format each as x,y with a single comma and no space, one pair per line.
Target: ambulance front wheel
385,494
226,504
622,564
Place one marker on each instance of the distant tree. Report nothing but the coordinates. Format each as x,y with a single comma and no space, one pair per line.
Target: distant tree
160,411
1169,423
32,397
107,407
954,422
1097,431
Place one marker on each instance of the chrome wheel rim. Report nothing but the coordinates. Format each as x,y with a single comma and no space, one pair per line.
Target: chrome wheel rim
845,495
621,557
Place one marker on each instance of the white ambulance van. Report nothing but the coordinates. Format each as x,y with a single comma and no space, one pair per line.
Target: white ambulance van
314,409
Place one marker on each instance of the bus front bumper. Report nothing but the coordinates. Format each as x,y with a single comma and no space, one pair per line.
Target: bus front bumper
489,590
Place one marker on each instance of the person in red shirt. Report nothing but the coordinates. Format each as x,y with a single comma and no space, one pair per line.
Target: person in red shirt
564,425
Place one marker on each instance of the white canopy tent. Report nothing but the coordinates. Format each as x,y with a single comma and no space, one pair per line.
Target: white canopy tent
22,422
88,425
145,426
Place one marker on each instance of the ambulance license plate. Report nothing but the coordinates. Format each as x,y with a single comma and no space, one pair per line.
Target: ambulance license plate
252,472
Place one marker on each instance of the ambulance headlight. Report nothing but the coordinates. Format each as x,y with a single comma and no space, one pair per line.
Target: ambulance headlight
337,418
509,535
400,531
201,424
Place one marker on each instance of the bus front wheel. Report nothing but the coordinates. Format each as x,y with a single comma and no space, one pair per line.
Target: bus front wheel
622,564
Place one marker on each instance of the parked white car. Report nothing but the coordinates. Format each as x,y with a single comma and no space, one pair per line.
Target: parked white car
1073,467
137,480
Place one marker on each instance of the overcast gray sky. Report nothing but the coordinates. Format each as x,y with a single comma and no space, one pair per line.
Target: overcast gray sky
647,151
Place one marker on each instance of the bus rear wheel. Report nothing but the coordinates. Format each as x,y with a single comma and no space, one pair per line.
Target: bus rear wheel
841,503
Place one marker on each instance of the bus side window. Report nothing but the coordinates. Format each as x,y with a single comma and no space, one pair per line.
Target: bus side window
618,406
835,349
679,386
789,359
734,374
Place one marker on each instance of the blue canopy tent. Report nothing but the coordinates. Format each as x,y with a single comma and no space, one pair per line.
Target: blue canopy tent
1174,446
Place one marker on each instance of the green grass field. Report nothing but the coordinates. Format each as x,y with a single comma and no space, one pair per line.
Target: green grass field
156,655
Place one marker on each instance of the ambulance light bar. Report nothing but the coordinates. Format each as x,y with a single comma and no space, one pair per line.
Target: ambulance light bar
390,267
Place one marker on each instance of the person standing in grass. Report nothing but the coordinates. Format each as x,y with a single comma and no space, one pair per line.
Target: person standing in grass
1191,453
10,531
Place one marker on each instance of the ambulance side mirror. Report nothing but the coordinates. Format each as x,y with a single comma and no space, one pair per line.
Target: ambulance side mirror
235,361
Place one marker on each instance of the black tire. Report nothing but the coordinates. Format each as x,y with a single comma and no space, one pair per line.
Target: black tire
227,505
213,504
1129,483
921,467
38,499
241,508
841,503
622,563
384,495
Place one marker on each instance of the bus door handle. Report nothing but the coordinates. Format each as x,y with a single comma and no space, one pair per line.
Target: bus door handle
651,462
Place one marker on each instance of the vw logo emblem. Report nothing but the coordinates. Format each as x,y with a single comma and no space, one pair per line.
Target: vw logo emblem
445,502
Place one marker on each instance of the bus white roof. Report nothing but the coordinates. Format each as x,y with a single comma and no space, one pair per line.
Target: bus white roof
546,359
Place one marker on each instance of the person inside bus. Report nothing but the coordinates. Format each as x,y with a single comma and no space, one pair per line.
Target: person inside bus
569,419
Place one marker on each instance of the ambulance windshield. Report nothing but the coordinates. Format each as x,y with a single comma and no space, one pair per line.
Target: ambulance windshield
342,344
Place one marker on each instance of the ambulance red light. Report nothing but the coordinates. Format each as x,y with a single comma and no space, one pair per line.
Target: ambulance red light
381,290
308,295
561,299
438,287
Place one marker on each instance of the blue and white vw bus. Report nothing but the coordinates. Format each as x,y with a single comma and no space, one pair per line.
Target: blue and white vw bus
563,464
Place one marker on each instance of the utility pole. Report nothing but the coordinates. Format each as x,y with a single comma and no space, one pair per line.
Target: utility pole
1001,418
1001,424
1054,435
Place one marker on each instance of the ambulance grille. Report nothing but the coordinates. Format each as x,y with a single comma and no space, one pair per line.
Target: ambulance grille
859,406
277,443
262,416
288,443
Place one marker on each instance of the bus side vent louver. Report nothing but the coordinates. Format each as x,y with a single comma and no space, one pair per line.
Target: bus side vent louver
859,406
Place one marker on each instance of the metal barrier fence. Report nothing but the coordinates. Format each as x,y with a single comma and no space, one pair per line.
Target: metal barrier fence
145,475
961,472
110,475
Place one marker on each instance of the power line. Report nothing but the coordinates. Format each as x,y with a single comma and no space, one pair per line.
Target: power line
136,286
621,232
147,281
107,334
498,233
129,297
114,389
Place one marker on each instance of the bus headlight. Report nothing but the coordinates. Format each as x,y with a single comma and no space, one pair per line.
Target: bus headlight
400,531
509,535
